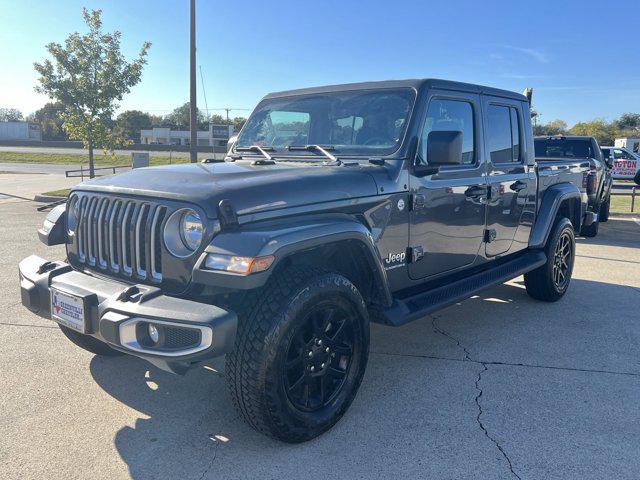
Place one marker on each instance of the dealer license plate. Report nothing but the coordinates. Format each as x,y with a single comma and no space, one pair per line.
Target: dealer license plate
68,310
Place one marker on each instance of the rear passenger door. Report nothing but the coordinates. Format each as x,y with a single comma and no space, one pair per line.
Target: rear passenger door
509,178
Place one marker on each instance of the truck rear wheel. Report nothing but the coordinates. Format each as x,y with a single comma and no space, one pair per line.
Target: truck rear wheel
88,343
550,281
590,231
300,354
603,216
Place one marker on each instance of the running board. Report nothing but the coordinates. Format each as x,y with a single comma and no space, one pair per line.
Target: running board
417,306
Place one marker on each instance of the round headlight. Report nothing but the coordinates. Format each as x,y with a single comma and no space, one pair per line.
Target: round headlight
72,214
183,233
191,230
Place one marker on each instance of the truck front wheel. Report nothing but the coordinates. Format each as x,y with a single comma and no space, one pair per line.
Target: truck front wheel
550,281
300,354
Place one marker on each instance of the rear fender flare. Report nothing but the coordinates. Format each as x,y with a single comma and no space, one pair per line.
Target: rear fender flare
553,200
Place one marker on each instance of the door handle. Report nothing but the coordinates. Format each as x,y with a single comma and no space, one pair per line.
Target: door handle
475,191
517,186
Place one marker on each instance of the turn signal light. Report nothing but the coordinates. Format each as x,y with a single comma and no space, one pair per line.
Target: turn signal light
240,265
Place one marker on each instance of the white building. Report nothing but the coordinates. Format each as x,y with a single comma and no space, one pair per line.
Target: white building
630,143
216,136
21,131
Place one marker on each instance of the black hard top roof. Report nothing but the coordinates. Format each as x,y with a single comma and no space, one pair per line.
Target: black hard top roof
413,83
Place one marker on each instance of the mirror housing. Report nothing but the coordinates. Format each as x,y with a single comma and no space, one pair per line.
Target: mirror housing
609,161
444,148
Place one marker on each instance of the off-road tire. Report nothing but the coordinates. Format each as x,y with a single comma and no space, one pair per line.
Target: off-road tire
89,343
603,215
256,371
590,231
540,283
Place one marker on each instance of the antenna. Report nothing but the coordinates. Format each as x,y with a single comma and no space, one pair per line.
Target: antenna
204,92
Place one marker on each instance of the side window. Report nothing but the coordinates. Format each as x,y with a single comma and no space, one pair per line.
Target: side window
450,115
504,134
617,153
500,139
284,128
515,134
344,131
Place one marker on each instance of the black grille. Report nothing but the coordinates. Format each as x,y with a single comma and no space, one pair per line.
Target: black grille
181,337
119,235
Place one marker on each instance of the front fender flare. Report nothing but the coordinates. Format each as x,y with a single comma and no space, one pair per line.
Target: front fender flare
552,200
282,239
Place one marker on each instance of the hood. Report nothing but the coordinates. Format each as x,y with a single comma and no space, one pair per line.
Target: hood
250,188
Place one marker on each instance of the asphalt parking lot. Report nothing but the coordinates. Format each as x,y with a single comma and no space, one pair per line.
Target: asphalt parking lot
497,387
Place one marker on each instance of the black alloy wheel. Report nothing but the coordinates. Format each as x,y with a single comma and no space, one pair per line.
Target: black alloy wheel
561,261
319,357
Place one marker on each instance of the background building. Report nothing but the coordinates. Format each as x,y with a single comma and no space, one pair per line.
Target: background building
216,136
20,131
631,143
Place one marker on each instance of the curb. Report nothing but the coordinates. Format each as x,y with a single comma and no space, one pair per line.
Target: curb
47,198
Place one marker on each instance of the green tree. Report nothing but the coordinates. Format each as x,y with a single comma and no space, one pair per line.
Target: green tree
10,115
51,122
602,130
131,122
238,123
628,121
89,75
555,127
179,118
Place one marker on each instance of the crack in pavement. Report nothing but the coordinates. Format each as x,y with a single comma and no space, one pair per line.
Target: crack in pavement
27,325
507,364
467,357
213,460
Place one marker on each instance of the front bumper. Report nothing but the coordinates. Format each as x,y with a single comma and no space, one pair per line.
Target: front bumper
116,312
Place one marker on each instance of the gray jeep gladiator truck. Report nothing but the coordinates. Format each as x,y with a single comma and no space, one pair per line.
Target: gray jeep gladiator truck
337,206
584,154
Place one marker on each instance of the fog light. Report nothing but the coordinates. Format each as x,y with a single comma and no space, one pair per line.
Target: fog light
154,333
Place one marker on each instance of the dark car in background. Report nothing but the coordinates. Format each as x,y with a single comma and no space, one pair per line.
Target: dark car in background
575,152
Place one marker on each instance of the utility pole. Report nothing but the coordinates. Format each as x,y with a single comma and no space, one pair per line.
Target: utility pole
193,113
227,110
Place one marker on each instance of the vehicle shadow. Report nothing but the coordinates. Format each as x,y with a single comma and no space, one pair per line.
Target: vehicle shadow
189,429
618,232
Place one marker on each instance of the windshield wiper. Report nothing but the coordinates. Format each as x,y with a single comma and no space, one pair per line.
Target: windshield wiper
261,150
317,148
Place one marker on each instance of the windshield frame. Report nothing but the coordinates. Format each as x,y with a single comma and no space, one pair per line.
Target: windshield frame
284,153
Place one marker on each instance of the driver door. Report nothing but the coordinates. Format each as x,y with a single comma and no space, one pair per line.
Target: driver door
447,220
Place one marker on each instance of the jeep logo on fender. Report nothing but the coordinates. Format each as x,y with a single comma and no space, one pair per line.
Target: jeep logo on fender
395,257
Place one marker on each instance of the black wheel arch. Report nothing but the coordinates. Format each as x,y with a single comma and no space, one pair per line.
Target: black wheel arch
559,200
336,242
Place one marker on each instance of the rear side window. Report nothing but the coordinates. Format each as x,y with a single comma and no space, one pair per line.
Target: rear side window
560,147
450,115
504,134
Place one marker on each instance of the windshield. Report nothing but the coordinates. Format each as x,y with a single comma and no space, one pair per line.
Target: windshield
358,122
564,148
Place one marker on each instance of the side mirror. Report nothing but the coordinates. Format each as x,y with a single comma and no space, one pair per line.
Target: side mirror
443,148
609,162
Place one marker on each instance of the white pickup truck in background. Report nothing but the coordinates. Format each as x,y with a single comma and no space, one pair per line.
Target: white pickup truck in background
626,164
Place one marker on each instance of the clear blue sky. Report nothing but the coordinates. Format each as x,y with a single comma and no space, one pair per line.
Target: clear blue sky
249,48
